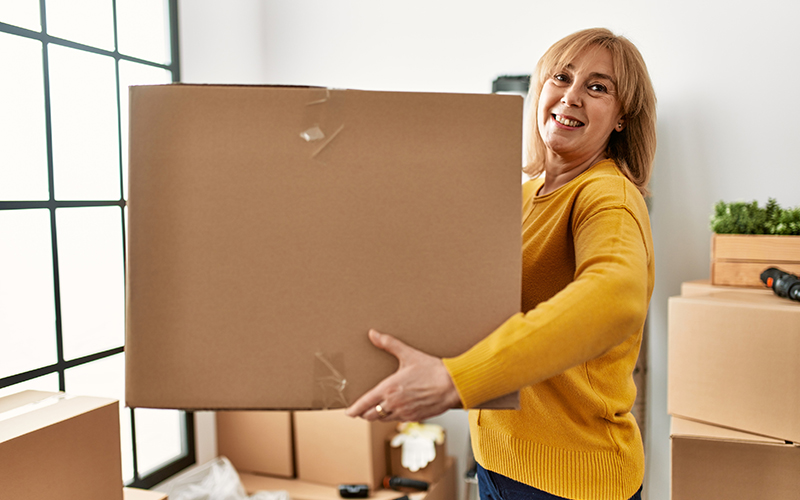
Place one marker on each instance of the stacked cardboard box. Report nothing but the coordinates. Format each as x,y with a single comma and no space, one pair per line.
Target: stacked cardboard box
57,446
734,366
326,447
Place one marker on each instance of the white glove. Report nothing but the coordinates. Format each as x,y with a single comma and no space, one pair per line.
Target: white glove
419,444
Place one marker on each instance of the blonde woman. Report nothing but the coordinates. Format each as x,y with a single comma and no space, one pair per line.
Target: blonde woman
588,275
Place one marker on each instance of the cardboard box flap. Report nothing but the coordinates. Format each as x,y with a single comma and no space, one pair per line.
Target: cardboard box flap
259,257
699,430
28,411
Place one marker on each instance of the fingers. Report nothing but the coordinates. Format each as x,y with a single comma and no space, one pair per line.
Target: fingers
390,344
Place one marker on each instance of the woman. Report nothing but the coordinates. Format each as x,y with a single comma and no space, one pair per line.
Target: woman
587,279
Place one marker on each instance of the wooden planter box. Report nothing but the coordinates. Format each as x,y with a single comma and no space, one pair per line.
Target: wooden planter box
739,259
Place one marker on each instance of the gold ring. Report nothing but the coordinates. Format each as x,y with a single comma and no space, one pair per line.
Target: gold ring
381,412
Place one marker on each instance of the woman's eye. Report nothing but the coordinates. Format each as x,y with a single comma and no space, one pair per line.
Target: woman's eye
597,87
561,77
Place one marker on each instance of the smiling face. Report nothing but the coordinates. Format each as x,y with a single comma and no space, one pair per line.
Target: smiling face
578,109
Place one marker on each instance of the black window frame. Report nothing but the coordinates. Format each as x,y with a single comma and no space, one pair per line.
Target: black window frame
60,367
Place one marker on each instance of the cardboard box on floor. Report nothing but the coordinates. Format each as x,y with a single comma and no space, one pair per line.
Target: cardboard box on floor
139,494
270,228
734,361
443,489
57,446
713,462
333,449
259,442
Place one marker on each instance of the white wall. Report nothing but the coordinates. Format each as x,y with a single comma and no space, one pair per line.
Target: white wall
725,73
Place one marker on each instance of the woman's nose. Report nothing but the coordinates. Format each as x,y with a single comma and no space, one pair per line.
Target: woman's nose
571,96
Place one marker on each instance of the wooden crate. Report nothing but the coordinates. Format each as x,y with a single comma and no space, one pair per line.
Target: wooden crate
739,259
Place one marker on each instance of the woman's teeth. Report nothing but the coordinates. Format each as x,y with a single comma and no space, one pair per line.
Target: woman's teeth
566,121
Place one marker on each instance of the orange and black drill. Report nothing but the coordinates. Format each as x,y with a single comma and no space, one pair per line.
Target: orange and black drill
782,283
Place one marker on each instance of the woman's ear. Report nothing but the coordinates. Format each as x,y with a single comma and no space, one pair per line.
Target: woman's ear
620,124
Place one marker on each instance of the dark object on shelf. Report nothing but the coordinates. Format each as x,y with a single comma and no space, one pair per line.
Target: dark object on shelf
511,83
353,490
782,283
397,482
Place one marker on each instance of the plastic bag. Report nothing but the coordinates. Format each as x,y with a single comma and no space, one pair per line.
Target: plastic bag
216,480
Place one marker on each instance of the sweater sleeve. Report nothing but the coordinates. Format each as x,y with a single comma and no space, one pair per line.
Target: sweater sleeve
605,304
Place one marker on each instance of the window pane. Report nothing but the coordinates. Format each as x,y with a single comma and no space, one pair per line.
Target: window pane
27,304
134,74
83,97
23,144
90,22
143,29
158,438
22,13
91,279
48,383
105,378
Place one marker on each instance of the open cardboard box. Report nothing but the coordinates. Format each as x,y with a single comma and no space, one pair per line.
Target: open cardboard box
714,462
271,227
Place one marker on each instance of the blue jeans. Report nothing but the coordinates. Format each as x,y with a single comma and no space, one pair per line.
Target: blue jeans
494,486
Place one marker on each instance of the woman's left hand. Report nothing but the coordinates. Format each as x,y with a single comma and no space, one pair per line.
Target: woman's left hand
420,388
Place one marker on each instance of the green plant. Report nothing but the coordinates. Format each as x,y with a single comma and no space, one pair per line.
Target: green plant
748,218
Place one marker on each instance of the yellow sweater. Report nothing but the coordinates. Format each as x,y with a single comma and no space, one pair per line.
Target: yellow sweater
586,283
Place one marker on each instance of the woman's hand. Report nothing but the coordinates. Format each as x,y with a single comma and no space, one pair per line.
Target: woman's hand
420,388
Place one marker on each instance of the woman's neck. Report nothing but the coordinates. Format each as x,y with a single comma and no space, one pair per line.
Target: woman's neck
558,172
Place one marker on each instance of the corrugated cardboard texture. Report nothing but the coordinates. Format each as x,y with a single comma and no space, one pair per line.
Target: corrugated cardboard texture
331,448
712,467
258,260
734,361
257,441
68,450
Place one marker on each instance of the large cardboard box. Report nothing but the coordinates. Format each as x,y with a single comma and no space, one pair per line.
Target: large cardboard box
57,446
443,489
270,228
332,448
260,442
712,463
734,361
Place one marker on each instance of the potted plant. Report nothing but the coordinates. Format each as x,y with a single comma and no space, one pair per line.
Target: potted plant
748,239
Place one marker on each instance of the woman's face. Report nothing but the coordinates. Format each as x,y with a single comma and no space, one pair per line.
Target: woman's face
578,108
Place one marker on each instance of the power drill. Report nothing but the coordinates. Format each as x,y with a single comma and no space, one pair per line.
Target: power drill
782,283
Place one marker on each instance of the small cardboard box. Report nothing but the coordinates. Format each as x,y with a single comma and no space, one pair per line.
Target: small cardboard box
270,228
259,442
734,361
712,462
57,446
139,494
443,489
739,259
332,448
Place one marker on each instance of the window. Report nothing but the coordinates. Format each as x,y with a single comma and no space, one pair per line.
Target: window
67,65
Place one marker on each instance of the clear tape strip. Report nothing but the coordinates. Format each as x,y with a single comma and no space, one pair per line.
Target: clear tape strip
330,382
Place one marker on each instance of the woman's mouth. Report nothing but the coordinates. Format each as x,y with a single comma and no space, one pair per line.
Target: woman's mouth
567,121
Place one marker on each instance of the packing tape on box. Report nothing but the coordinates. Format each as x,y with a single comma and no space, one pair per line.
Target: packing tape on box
329,381
322,121
33,406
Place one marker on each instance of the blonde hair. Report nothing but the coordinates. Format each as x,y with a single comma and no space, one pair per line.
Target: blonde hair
634,147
